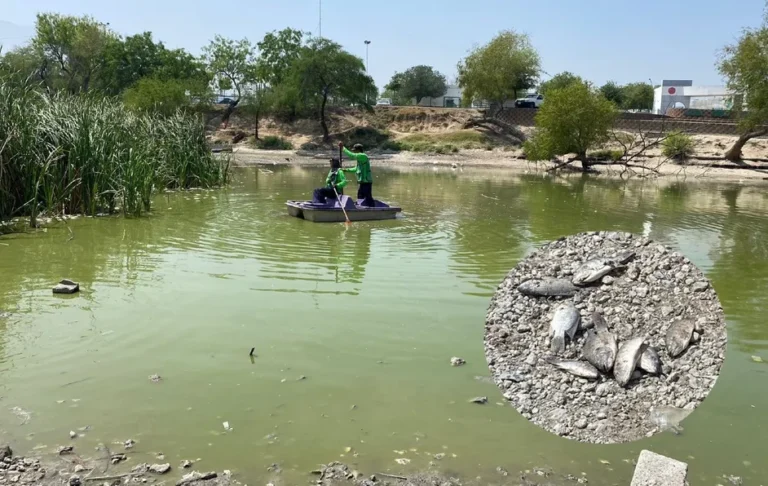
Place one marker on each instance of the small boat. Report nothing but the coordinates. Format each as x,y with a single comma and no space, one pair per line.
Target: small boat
331,211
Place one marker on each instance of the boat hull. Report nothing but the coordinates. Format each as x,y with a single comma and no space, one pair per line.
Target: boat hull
333,213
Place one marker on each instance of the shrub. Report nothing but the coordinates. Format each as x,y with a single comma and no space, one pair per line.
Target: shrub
274,143
678,146
574,119
611,154
392,145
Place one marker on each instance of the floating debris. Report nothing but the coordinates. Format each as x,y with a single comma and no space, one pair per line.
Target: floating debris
402,461
155,378
227,427
480,400
455,361
66,286
757,359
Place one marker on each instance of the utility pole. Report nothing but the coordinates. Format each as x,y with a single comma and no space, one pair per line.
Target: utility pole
320,18
367,43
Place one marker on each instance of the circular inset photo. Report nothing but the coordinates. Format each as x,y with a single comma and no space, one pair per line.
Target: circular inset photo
605,337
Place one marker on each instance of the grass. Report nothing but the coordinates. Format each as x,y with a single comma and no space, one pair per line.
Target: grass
274,143
443,143
678,146
66,154
613,155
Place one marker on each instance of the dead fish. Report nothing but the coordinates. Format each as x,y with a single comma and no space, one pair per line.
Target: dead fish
547,287
627,359
668,418
592,271
565,321
582,369
679,337
650,361
600,347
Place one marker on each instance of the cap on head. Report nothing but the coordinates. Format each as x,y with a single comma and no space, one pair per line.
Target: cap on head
358,147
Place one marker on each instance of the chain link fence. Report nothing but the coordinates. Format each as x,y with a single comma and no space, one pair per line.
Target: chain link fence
690,121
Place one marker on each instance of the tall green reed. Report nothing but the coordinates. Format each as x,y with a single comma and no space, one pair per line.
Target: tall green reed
66,154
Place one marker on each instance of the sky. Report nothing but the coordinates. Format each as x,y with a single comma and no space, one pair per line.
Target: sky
600,40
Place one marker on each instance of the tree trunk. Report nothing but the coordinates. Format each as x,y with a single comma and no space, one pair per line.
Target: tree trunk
734,153
228,112
256,129
326,135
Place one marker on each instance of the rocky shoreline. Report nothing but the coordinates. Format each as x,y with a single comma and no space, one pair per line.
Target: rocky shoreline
652,304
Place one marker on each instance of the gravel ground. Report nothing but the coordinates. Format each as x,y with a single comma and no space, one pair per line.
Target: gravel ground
643,298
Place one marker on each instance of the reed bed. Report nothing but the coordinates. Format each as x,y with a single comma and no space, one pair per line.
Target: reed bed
86,154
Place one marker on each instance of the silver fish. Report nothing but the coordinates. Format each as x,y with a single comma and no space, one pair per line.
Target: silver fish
591,271
666,417
564,322
627,359
582,369
679,337
547,287
600,347
650,361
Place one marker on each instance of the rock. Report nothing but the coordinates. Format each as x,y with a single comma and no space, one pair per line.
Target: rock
160,468
155,378
72,434
5,451
735,480
79,468
655,469
129,443
118,458
185,464
66,286
581,423
455,361
66,450
700,286
75,480
480,400
195,476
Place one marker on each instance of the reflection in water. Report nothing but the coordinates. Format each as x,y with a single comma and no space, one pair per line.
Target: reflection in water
370,314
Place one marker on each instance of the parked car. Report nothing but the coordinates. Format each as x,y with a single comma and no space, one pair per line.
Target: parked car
225,101
384,102
533,100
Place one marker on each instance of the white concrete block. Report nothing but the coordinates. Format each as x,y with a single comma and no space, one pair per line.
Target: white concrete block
656,470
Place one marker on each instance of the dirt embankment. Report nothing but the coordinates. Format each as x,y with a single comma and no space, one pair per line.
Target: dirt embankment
453,137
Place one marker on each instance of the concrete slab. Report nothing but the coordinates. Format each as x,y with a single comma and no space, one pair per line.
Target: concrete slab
656,470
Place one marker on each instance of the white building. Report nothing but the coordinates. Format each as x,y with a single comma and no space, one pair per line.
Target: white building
451,98
677,93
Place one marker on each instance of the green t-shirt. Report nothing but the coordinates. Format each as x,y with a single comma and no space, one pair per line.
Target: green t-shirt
363,167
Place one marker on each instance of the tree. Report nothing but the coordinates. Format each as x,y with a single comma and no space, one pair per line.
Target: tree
257,104
557,81
573,120
231,63
418,82
166,96
613,92
325,71
278,51
637,96
745,66
498,70
77,45
23,62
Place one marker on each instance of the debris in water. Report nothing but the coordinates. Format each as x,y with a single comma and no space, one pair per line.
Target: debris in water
129,443
400,453
301,378
155,378
226,426
603,461
480,400
252,351
21,413
186,464
72,434
66,450
402,461
347,450
66,286
455,361
757,359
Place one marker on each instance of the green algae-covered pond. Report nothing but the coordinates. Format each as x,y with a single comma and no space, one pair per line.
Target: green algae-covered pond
368,315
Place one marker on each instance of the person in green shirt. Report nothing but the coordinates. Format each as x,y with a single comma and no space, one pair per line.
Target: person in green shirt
335,179
362,170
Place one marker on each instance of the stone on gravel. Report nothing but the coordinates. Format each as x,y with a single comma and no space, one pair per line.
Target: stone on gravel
647,293
186,464
656,470
75,480
160,468
195,476
5,451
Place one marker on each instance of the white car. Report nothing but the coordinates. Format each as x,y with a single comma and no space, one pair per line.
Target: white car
533,100
384,102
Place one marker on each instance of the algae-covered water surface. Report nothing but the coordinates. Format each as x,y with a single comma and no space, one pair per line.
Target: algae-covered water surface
353,327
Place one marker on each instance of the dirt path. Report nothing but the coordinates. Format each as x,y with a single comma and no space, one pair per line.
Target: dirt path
711,170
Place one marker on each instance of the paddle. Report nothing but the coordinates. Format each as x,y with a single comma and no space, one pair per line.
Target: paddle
347,222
